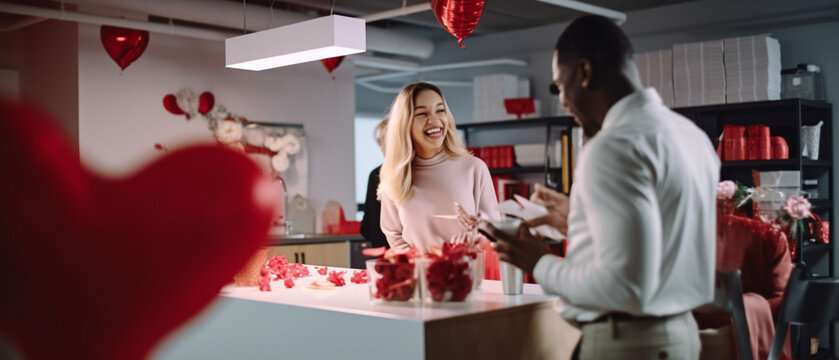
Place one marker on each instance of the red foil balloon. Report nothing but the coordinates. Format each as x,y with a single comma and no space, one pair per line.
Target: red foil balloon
205,102
459,17
332,63
170,102
124,45
103,268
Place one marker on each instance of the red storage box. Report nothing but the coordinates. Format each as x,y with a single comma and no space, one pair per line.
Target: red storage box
780,149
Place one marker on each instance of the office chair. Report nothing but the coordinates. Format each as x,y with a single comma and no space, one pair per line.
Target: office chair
807,301
728,301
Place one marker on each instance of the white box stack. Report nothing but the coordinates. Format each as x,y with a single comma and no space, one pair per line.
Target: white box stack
530,154
490,92
656,70
699,73
752,68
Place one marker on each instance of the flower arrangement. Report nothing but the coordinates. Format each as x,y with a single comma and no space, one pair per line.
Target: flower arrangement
793,217
229,128
797,207
731,196
726,190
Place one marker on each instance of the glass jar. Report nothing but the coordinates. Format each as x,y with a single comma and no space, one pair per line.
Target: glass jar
392,281
447,280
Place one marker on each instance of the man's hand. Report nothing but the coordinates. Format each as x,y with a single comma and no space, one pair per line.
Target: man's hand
557,205
522,250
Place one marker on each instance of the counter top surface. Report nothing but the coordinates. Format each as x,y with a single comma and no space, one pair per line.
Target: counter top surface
355,299
343,323
302,239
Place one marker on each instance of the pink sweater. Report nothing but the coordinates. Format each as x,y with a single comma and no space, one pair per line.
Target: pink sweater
438,183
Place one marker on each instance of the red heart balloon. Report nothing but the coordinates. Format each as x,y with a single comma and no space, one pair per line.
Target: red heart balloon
170,102
205,102
98,268
123,45
332,63
459,17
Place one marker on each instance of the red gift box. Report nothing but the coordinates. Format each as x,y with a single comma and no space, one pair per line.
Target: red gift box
519,106
734,142
759,145
780,149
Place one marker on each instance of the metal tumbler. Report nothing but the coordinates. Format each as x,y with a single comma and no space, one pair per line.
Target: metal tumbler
512,278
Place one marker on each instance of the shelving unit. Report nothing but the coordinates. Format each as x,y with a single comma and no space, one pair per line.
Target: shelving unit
525,131
522,170
784,117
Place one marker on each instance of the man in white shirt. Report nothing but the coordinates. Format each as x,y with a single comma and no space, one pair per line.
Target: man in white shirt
642,222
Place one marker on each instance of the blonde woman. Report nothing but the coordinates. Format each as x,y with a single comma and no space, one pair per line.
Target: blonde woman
427,170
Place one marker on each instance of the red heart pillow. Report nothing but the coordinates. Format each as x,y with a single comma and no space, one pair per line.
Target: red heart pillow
99,268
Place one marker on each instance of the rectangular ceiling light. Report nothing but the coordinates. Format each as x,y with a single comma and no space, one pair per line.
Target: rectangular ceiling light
297,43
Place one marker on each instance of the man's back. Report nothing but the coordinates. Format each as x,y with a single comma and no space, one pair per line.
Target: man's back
642,222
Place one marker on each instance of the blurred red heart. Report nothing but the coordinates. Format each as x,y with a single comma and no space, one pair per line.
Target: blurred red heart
205,102
170,102
98,268
459,17
332,63
123,45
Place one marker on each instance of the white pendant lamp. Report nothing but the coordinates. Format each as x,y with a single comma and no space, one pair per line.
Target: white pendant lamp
311,40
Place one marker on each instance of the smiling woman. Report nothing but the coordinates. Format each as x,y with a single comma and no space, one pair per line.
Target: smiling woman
427,170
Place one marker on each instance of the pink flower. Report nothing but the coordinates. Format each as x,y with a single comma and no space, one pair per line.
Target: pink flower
726,190
797,207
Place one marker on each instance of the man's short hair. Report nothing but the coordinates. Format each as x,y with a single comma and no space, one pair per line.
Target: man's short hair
597,39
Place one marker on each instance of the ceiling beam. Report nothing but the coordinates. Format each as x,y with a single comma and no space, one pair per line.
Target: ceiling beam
407,10
617,16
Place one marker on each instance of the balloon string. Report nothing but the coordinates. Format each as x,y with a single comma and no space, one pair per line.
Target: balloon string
332,8
460,42
244,18
272,15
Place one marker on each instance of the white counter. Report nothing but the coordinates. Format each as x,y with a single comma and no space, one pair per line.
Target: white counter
343,323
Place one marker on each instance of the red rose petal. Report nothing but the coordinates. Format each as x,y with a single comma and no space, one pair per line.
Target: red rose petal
336,277
359,277
264,279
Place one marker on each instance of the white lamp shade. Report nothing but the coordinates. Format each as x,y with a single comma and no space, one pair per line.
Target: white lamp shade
297,43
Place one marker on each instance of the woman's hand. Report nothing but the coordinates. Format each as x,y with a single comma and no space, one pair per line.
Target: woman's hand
470,238
558,206
469,222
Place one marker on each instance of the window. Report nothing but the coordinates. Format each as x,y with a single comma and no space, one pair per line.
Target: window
368,156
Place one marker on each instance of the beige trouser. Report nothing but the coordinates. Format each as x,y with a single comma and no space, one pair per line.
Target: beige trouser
675,337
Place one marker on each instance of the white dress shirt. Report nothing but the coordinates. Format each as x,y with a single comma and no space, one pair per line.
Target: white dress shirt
642,223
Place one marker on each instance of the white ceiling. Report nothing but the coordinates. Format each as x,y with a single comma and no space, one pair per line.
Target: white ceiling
498,16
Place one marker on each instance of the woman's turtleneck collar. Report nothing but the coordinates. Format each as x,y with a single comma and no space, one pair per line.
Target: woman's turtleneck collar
434,160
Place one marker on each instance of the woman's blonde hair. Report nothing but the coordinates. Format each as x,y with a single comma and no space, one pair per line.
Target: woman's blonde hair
396,177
